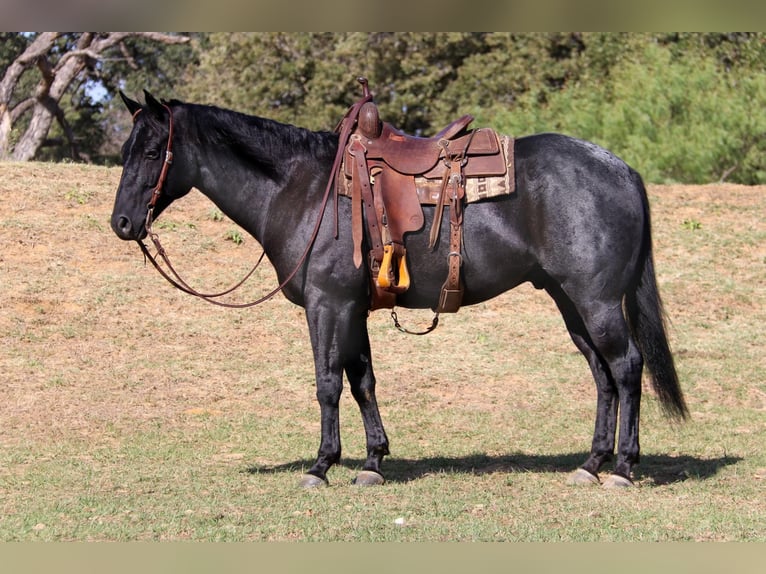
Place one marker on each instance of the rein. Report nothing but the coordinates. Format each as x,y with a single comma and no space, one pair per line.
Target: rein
344,127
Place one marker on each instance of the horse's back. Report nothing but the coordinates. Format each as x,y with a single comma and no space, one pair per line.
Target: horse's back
557,163
577,210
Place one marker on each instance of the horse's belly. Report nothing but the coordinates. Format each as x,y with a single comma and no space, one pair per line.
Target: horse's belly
494,259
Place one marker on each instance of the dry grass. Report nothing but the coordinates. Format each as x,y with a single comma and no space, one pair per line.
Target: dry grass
131,411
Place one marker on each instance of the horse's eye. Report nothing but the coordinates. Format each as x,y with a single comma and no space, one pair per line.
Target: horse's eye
152,154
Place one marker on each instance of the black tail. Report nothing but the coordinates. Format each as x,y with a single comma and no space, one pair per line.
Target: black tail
646,318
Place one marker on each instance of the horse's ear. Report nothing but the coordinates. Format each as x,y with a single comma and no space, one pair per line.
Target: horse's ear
132,105
154,106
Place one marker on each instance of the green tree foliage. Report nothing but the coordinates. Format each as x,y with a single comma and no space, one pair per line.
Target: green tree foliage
676,115
309,78
678,107
266,74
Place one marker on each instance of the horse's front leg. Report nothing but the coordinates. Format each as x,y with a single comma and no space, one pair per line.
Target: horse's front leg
362,381
340,343
326,342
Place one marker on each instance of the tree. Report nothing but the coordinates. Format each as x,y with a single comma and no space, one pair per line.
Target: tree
421,80
60,60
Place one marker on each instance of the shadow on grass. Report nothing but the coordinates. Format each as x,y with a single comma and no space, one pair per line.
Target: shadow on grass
659,469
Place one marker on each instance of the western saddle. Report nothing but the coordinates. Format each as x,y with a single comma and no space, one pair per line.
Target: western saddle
389,174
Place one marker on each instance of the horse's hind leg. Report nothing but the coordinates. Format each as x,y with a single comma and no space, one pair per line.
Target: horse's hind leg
600,332
602,447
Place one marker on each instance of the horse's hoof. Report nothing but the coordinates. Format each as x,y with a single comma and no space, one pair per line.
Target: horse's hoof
312,481
617,481
369,478
582,477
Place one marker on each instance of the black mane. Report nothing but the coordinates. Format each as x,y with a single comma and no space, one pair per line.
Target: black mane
255,139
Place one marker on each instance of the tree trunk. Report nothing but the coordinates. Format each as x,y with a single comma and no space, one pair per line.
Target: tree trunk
38,48
47,95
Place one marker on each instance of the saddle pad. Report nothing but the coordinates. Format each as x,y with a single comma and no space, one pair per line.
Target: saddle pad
476,188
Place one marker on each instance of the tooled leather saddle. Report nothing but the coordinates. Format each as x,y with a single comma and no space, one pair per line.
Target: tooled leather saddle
389,175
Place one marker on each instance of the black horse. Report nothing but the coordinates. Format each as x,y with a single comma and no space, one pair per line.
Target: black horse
577,226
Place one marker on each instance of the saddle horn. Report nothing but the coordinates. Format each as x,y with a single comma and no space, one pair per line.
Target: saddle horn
365,88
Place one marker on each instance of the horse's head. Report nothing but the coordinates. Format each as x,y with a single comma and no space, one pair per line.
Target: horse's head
149,180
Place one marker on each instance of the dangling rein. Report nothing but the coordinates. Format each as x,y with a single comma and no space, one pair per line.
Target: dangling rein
172,276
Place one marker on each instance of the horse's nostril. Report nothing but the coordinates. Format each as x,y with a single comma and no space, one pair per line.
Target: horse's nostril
123,227
124,224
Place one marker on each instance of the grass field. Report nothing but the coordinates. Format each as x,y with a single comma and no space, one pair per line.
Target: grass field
129,411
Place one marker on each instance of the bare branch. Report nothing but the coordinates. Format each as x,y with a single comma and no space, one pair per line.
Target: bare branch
164,38
67,129
47,73
727,173
114,38
128,56
78,54
19,109
39,47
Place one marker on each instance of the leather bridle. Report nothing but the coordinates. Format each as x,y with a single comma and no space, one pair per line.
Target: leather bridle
157,191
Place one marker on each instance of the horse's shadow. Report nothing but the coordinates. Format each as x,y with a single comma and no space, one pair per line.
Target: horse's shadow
659,469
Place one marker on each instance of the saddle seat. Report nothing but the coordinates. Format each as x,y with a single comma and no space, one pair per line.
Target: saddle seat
413,155
408,154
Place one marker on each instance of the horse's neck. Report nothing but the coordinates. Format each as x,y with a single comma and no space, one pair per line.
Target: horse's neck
246,170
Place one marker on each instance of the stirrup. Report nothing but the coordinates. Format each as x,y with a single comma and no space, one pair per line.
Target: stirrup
385,274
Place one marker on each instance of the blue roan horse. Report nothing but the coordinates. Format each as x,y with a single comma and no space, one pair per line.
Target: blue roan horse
577,226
